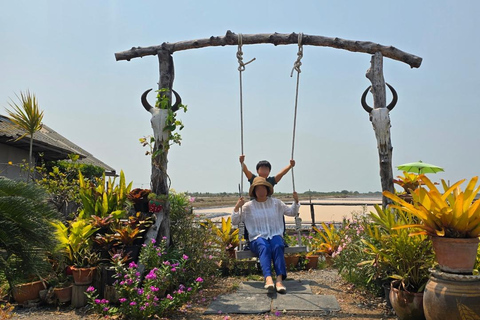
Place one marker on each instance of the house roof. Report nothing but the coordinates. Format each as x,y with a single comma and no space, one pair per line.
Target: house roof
53,145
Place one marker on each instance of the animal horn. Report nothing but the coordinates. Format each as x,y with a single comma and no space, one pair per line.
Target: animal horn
394,99
178,101
364,102
145,103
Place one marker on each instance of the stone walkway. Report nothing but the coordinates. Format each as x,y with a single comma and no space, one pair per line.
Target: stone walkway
252,298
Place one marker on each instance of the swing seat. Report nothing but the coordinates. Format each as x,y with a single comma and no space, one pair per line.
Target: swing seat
245,253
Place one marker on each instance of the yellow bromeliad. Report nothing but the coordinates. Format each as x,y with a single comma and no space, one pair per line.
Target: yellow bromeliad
453,214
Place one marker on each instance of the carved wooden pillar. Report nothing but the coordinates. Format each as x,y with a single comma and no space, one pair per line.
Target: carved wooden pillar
381,124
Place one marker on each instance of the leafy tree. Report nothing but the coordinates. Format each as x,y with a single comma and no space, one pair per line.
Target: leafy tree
27,116
60,179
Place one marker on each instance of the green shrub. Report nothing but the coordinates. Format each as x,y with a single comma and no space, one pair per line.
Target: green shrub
26,234
189,237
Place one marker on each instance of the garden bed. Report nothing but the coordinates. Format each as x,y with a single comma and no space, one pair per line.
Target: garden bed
355,304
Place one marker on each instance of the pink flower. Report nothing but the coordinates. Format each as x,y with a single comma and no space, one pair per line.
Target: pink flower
133,303
132,265
122,300
154,289
140,291
154,241
199,279
173,269
169,297
90,289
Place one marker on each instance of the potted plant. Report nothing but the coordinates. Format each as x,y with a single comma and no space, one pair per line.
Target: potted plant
62,282
325,241
451,219
399,257
125,236
75,243
225,237
409,182
84,266
139,198
24,283
156,202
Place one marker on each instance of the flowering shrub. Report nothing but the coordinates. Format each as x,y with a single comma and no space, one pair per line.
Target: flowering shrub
351,252
161,290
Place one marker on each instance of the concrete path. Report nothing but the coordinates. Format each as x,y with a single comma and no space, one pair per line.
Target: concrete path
252,298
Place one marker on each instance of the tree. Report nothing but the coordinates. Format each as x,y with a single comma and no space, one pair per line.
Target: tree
27,116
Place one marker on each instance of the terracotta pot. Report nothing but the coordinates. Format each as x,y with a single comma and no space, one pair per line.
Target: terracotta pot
63,294
455,255
452,296
407,305
82,276
312,262
291,261
27,291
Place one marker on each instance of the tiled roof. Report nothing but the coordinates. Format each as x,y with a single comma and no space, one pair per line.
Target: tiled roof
53,145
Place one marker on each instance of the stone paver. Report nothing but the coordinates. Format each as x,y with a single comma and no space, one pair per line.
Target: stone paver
252,298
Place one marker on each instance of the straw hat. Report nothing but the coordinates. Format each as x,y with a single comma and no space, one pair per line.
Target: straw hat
260,181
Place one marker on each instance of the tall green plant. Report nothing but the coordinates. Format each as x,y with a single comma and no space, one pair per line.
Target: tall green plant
396,254
27,116
74,240
25,233
103,197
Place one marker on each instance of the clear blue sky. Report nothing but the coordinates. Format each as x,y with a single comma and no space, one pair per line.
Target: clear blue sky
63,51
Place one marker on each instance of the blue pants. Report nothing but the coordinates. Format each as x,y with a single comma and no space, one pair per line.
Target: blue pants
267,250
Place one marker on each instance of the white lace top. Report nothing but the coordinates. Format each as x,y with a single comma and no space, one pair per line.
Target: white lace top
264,219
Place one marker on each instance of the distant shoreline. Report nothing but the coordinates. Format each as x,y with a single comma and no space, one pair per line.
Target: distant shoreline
325,209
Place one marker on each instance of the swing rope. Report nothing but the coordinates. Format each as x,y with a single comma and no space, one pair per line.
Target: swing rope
241,68
296,67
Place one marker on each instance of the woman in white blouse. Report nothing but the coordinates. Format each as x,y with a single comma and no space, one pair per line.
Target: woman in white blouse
263,218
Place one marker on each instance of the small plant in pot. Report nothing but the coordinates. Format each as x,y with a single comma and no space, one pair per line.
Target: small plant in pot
125,236
325,241
225,237
156,202
451,219
84,266
139,198
62,283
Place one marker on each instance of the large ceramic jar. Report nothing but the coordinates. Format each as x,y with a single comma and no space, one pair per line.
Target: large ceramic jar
450,296
407,305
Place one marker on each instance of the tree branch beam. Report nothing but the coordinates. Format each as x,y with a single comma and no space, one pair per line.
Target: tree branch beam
231,39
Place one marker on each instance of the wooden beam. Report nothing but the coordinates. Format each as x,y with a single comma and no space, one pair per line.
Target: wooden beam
231,39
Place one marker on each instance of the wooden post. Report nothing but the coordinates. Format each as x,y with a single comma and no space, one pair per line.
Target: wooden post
380,119
79,299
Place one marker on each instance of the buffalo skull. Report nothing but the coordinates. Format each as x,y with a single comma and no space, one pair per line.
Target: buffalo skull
159,116
381,123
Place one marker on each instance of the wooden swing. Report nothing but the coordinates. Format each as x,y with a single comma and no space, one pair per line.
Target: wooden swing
242,252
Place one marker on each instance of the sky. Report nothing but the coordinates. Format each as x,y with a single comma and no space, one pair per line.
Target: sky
63,52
